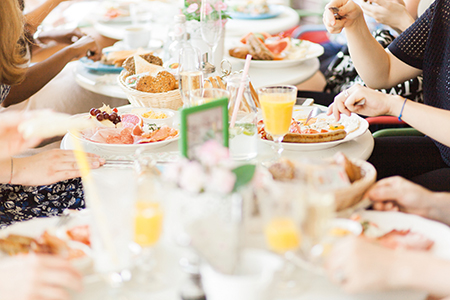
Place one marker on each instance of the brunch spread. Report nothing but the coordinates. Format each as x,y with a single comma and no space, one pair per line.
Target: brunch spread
394,239
317,130
145,73
264,46
125,128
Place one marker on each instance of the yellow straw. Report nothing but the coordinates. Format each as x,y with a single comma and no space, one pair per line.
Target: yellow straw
94,201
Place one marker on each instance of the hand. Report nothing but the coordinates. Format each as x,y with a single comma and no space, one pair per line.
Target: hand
49,167
11,141
375,103
31,276
399,194
67,36
389,12
348,10
360,266
83,45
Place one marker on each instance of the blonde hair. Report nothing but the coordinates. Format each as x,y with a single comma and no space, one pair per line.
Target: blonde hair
11,30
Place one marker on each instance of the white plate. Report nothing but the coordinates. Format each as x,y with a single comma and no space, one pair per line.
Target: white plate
363,126
437,232
315,50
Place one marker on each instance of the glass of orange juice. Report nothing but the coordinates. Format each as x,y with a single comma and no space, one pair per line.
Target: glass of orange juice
148,220
277,103
283,211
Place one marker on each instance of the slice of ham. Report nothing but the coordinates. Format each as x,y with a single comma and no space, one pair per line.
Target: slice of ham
162,134
405,239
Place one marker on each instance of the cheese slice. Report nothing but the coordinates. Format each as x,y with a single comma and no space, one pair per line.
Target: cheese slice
143,66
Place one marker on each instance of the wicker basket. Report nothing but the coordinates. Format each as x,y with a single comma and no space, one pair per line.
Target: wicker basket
171,99
350,196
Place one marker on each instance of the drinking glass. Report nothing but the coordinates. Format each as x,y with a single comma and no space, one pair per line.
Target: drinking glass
282,207
277,103
190,73
202,96
211,26
110,198
148,220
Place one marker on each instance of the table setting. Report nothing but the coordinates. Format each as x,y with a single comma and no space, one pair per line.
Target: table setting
217,181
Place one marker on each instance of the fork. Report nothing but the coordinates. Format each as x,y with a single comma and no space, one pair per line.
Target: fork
317,111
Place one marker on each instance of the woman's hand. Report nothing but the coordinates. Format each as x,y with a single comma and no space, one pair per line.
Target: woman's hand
11,141
349,12
67,36
86,46
32,276
390,12
375,103
360,266
49,167
399,194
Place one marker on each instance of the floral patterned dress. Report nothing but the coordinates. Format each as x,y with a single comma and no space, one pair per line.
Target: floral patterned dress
18,203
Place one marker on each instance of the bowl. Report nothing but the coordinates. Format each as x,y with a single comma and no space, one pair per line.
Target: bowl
158,116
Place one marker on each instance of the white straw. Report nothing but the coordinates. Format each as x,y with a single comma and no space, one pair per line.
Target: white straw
241,90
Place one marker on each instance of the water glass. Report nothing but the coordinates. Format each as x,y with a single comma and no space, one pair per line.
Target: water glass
244,133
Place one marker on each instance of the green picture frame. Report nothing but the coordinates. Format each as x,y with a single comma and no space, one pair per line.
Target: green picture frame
201,123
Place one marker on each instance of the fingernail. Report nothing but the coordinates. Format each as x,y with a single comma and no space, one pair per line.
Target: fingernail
95,164
102,160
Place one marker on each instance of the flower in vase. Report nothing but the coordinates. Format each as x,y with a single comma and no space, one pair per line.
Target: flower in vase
192,177
192,9
212,153
221,181
212,171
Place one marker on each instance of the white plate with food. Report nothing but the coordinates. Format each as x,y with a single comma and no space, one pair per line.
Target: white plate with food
436,232
107,139
272,11
295,53
355,126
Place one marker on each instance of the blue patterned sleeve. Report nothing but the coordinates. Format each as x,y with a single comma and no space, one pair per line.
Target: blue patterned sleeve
4,91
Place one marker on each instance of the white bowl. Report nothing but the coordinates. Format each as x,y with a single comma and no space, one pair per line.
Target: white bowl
167,121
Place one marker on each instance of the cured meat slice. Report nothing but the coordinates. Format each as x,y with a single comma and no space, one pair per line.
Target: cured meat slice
405,239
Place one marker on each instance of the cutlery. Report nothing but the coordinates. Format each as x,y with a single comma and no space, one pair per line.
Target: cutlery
317,111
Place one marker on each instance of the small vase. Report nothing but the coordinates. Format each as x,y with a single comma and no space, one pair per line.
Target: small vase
194,29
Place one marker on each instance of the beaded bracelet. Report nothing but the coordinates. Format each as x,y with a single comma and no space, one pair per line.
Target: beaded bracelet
12,169
401,111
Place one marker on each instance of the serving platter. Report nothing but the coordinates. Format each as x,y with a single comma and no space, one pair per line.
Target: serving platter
314,50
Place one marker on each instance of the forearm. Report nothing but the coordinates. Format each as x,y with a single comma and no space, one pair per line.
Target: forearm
5,170
421,271
370,59
440,208
39,75
403,23
427,119
34,18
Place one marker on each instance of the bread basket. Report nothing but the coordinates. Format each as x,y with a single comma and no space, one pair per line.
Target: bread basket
352,195
171,99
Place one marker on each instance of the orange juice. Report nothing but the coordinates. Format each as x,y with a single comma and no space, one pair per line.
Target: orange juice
147,223
282,235
277,112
